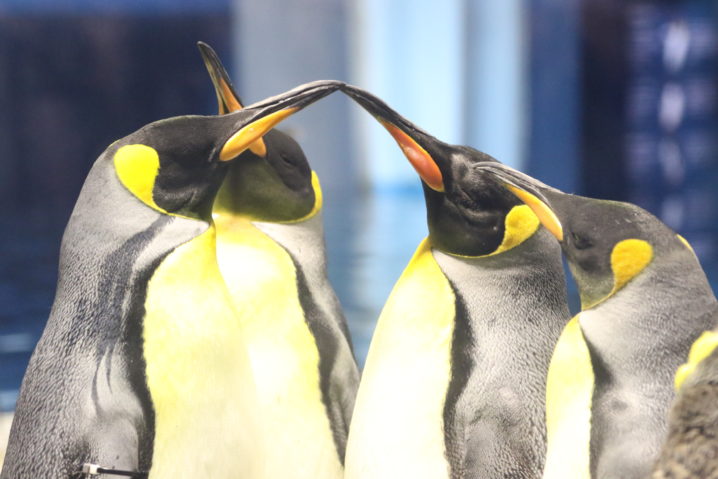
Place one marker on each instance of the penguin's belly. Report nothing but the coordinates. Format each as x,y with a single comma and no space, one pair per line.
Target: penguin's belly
397,429
261,277
198,371
569,391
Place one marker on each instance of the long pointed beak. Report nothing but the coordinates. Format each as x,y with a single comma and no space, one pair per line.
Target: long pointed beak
266,114
531,191
227,98
407,135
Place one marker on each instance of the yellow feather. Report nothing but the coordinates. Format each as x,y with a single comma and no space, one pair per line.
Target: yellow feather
397,427
262,281
701,349
137,167
569,391
198,371
628,258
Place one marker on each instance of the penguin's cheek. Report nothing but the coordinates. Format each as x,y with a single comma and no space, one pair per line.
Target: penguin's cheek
628,258
589,262
137,167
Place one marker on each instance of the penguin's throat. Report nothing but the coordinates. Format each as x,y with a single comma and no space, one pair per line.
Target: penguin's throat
629,258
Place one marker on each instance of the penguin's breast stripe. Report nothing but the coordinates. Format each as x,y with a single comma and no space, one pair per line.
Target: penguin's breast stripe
569,392
397,429
263,282
198,370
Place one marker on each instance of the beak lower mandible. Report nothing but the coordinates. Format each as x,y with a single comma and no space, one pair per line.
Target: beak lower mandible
227,99
405,134
530,191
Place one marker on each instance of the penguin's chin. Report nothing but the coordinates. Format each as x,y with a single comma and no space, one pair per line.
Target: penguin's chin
592,291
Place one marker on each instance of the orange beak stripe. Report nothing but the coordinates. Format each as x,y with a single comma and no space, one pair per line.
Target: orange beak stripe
547,217
257,147
229,99
419,158
245,137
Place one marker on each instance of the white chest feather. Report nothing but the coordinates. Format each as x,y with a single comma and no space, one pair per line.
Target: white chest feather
198,371
262,281
569,390
397,426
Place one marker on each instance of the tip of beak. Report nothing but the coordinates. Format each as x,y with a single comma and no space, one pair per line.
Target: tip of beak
298,97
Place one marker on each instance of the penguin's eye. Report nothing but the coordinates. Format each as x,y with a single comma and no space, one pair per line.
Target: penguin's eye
580,242
286,159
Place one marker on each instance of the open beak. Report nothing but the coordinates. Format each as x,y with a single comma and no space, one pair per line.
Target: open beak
406,134
227,99
262,116
532,192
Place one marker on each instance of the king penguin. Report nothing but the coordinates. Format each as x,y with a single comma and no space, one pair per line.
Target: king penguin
690,450
142,365
644,300
454,382
270,248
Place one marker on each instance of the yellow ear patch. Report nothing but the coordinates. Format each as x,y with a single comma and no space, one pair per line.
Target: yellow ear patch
520,224
225,96
628,258
543,212
137,167
318,201
701,349
250,133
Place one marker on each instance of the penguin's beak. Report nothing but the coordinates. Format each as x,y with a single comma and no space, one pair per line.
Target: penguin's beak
532,192
407,135
227,99
260,117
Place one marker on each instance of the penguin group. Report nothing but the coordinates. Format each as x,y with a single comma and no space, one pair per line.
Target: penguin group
195,334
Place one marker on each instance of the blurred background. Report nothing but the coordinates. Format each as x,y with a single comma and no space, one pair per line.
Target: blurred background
607,98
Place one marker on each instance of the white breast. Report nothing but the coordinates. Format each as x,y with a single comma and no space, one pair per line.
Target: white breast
397,426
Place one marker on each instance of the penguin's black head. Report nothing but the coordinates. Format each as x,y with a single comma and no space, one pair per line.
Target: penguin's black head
176,165
606,243
272,180
469,212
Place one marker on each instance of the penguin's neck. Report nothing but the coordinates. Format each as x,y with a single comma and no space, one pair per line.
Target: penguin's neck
304,241
663,308
273,270
518,295
198,370
637,339
510,310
